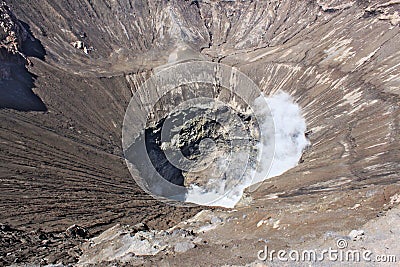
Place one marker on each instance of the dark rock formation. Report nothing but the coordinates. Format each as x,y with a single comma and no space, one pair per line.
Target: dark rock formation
16,45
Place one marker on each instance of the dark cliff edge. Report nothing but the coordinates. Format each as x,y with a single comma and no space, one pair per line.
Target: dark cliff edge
16,45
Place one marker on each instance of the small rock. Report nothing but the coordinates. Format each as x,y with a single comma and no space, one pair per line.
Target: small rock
197,240
276,224
181,232
356,234
76,231
140,227
379,214
182,247
5,227
178,231
395,199
357,205
81,45
78,44
42,236
45,242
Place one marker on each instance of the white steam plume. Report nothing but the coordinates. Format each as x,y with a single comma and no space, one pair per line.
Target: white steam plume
290,142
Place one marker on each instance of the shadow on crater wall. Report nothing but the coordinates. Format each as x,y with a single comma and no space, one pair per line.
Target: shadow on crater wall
16,82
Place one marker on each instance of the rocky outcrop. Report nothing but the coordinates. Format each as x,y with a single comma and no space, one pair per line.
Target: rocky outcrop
12,35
